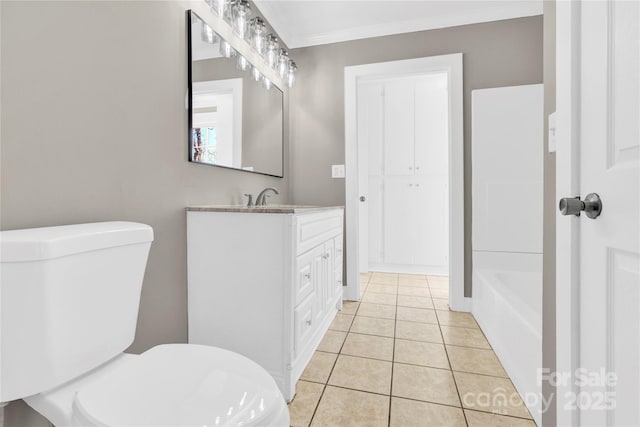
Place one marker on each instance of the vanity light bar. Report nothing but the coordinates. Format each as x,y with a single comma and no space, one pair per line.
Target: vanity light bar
236,13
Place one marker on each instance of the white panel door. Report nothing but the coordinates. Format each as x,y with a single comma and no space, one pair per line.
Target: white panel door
605,253
398,222
431,204
399,127
430,231
375,226
369,125
609,250
432,126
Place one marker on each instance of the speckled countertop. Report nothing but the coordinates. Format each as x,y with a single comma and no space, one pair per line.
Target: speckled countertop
280,209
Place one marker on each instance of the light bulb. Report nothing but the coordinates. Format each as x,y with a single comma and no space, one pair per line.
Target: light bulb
258,28
291,74
242,63
255,73
226,50
207,34
219,7
266,83
271,53
283,63
241,14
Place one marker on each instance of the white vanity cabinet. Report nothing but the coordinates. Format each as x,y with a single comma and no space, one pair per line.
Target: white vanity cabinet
265,283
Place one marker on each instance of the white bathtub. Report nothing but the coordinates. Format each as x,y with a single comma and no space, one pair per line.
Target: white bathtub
507,303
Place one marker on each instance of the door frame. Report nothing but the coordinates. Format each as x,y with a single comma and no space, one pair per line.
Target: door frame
452,65
567,183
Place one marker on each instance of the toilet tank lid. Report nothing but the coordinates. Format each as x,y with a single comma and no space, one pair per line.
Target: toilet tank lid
42,243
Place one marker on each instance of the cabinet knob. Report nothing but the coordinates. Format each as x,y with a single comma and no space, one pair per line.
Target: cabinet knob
308,322
307,275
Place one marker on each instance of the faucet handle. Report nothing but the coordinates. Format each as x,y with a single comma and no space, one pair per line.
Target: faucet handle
250,201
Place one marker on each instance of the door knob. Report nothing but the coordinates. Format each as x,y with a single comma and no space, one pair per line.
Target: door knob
592,205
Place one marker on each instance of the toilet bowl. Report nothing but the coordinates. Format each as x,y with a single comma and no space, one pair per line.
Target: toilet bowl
168,385
70,298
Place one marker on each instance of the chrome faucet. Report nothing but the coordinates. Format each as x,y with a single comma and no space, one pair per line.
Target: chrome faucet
250,201
261,200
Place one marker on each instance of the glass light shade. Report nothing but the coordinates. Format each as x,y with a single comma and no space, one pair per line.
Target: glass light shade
283,63
208,35
241,14
257,35
242,63
255,74
226,50
219,7
291,74
228,11
271,51
266,83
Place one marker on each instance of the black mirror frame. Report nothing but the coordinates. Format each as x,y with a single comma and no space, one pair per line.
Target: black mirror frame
189,15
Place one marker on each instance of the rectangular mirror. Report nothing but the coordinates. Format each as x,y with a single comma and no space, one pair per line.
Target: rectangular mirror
234,122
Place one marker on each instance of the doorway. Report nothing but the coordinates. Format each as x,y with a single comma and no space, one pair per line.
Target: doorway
402,163
398,75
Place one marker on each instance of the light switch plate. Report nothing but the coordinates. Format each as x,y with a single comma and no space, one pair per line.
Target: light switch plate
337,171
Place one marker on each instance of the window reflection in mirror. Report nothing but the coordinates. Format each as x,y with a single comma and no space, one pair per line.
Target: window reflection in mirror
235,122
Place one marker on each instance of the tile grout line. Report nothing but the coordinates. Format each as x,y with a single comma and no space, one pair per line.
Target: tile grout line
455,383
500,415
393,357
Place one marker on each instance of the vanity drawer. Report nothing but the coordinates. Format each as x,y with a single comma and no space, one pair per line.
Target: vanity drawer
303,283
304,323
314,229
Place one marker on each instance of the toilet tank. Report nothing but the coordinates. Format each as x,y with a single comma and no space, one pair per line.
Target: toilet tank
69,299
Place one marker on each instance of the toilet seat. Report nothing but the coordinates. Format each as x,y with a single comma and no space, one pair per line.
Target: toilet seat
182,385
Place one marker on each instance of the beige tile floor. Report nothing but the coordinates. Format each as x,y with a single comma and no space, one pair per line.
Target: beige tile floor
401,358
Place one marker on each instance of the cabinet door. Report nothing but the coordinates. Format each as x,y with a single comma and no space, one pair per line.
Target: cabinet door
398,220
329,274
319,279
304,318
303,284
399,127
431,227
432,126
337,263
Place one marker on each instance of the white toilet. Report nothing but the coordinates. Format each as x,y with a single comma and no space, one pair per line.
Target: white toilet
69,301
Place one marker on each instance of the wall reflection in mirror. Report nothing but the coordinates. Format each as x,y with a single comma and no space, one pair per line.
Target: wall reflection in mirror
236,116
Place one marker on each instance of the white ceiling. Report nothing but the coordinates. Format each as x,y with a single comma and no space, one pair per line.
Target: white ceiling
303,23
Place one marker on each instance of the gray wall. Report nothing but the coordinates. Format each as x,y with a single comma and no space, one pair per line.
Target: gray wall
94,128
501,53
550,203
